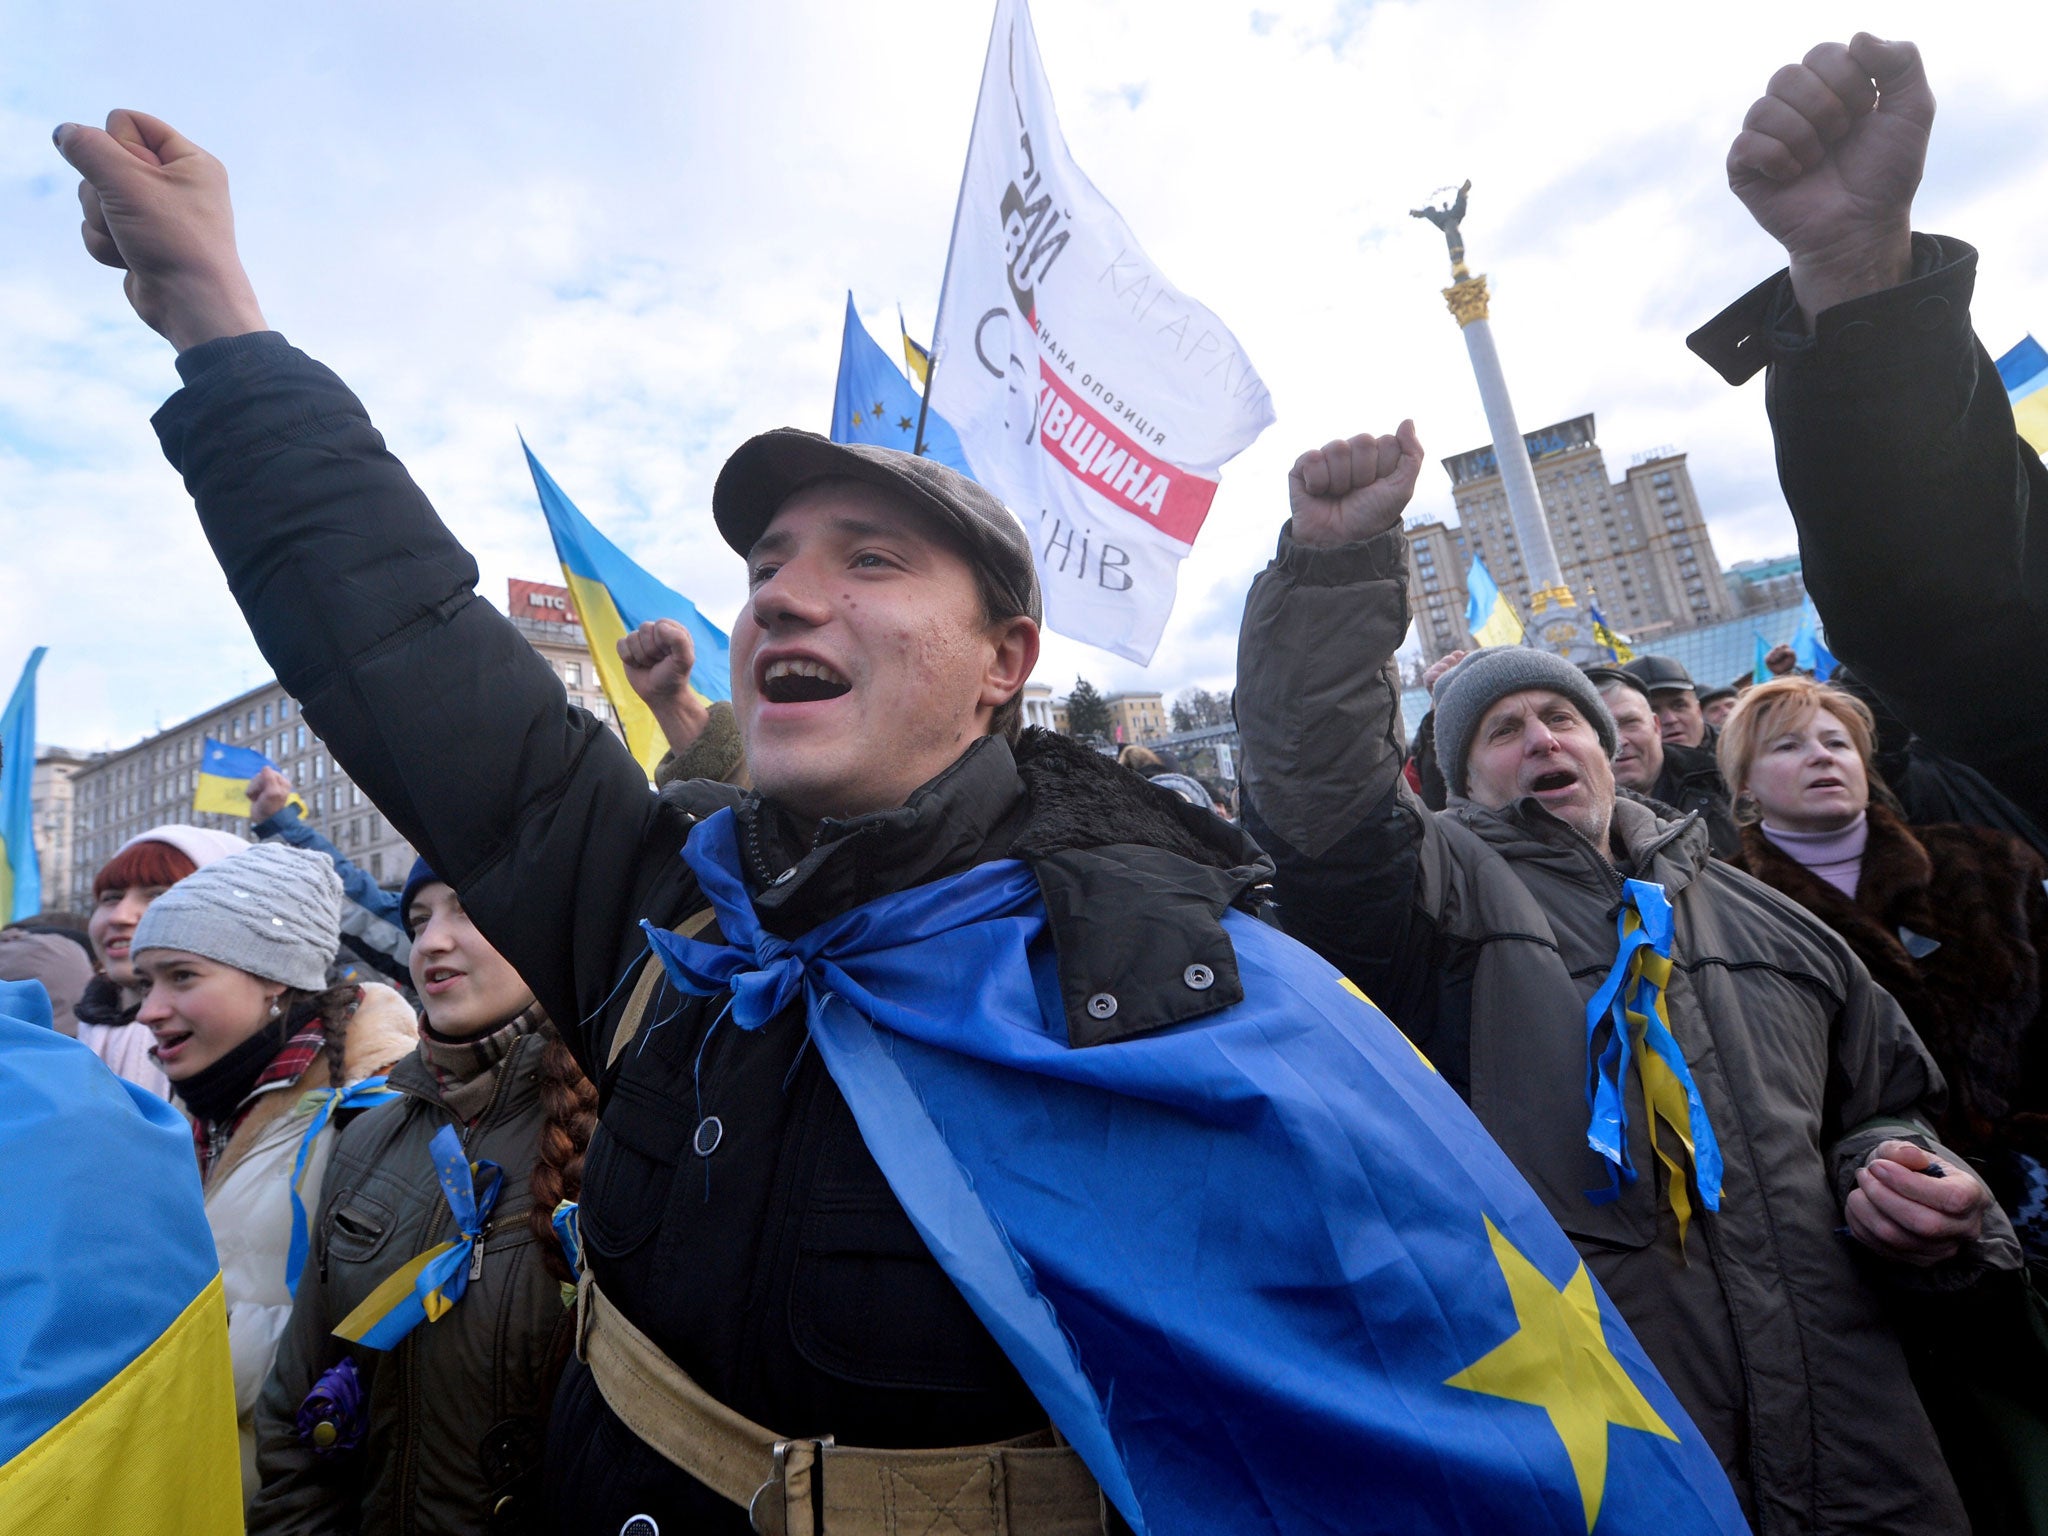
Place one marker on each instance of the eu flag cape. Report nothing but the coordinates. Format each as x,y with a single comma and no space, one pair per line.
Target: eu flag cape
117,1399
1263,1269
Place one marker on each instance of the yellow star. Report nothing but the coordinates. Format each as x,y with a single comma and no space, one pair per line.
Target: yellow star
878,410
1353,988
1558,1360
858,418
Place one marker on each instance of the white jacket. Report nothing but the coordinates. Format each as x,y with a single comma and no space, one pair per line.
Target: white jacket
249,1196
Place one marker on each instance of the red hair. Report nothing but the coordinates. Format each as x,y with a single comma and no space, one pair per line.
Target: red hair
148,863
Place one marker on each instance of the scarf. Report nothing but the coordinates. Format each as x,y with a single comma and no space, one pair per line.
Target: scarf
466,1068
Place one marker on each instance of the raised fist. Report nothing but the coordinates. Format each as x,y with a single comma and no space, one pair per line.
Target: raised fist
156,206
1350,491
269,792
1828,160
659,657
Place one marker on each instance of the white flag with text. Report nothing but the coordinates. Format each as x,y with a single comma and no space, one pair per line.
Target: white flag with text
1088,392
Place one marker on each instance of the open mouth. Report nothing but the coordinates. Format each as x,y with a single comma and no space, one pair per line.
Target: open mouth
439,978
168,1046
798,680
1546,783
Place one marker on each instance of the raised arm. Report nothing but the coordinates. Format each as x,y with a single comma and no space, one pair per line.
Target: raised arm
1918,505
363,601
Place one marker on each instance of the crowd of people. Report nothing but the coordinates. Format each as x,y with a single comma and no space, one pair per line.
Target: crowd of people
899,1120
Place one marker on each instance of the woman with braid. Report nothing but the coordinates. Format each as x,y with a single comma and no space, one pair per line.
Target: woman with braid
386,1414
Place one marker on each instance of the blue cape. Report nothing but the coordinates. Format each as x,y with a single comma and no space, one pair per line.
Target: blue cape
1263,1269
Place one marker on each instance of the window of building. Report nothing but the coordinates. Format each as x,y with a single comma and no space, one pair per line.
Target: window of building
284,709
572,673
377,866
299,736
266,714
319,765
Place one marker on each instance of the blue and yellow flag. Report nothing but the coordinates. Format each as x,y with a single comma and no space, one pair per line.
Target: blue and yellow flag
1605,636
874,403
1760,667
1810,649
1263,1268
2024,372
21,876
222,784
117,1396
613,596
916,357
1487,613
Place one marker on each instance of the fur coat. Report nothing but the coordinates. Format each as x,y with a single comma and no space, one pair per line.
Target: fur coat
1977,996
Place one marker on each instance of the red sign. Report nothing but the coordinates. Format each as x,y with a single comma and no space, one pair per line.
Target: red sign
1088,445
539,601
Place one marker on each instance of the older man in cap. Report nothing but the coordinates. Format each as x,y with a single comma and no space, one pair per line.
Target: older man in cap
946,1077
1716,1102
1675,699
1684,778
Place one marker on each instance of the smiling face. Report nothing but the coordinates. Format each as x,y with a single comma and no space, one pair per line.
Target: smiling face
199,1009
464,984
1807,775
1639,757
1536,745
864,663
112,924
1679,717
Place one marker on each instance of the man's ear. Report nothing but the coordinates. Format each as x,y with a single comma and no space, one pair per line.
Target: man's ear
1010,664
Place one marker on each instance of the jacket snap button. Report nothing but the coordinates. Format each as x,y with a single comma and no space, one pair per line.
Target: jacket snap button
1930,312
710,1132
1857,336
1199,977
1102,1006
784,877
502,1505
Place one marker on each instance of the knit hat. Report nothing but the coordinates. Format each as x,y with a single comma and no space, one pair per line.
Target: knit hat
422,875
1466,692
202,845
271,910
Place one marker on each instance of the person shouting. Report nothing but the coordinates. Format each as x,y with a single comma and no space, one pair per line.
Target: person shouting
440,1428
234,961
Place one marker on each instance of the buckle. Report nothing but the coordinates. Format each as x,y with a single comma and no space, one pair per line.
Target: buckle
772,1518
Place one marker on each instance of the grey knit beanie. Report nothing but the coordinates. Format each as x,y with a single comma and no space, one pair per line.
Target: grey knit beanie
1466,692
271,910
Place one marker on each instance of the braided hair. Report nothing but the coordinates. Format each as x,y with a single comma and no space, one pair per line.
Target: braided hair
568,1102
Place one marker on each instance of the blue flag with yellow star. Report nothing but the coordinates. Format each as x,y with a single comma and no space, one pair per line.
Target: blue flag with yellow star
1262,1268
874,403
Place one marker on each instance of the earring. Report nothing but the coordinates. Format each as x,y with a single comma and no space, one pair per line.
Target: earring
275,1010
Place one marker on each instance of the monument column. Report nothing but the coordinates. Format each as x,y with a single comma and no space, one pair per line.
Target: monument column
1553,613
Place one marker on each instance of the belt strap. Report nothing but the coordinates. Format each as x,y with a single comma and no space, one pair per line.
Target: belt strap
1034,1486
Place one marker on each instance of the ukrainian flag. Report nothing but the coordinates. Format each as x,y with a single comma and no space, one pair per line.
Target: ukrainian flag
874,403
1487,613
117,1397
1605,635
916,357
613,596
21,878
222,786
2024,372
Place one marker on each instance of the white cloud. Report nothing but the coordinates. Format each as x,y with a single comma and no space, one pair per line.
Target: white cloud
628,230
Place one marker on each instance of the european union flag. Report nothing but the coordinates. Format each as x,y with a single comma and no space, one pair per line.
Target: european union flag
874,403
1810,650
1263,1268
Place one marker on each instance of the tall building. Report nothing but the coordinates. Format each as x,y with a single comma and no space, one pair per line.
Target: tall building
1135,717
1760,586
114,795
50,793
1638,548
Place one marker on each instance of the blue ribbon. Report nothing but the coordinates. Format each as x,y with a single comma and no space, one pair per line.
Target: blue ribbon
569,1233
426,1286
1630,1005
370,1091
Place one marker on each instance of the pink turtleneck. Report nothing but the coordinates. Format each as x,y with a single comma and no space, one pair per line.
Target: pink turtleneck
1837,857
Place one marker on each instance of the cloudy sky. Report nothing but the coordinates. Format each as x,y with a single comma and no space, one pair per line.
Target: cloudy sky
627,228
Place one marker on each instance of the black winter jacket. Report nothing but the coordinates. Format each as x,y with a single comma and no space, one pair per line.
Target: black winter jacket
1922,514
1691,781
458,1411
780,1271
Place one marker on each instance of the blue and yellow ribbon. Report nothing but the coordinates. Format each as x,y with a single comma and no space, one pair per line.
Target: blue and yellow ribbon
369,1092
426,1287
1630,1006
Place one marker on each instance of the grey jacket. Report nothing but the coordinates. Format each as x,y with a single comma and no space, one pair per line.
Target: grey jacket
1485,933
457,1412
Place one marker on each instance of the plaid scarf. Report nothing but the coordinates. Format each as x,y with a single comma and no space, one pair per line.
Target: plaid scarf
467,1069
210,1137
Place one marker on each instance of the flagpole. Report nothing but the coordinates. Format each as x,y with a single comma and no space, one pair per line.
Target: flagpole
931,370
